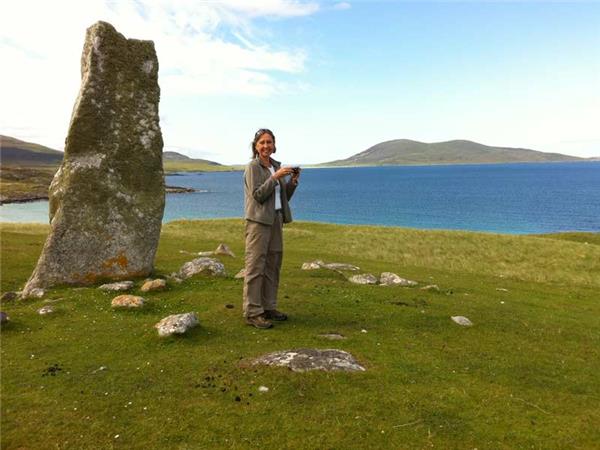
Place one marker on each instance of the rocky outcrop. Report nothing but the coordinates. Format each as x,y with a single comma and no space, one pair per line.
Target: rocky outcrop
107,198
177,324
305,359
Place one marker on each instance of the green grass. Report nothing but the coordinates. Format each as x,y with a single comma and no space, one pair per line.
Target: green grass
526,375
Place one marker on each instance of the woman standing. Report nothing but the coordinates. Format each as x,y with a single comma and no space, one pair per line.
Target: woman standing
266,196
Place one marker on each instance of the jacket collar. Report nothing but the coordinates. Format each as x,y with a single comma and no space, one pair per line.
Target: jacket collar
275,163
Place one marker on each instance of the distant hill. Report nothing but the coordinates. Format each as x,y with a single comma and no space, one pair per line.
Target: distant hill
16,152
174,156
407,152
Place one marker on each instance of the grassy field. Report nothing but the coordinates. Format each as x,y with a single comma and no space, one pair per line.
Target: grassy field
526,375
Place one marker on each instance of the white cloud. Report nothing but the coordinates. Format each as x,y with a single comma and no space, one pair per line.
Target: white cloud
203,48
342,6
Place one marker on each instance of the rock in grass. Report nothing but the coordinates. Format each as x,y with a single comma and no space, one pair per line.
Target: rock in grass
318,264
332,336
312,265
174,278
462,320
305,359
4,318
116,287
127,301
431,287
223,249
9,296
341,266
45,310
363,278
154,285
391,279
106,200
209,266
33,293
177,324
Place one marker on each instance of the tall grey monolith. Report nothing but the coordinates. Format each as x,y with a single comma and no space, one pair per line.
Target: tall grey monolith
107,198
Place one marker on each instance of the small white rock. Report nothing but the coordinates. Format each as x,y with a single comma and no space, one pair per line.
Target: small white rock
263,389
462,320
45,310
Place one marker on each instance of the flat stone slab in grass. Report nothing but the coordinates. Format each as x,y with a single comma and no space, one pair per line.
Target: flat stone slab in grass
204,265
177,324
127,301
306,359
364,278
154,285
332,336
462,320
312,265
341,266
116,287
391,279
318,264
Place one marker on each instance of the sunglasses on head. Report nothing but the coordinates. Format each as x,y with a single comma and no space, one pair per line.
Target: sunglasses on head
262,131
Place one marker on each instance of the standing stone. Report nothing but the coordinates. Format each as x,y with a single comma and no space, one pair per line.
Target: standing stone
108,196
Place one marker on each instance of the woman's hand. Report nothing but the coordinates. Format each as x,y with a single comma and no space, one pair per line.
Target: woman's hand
282,172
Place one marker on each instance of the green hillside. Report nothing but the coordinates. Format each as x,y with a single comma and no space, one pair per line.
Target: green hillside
407,152
18,153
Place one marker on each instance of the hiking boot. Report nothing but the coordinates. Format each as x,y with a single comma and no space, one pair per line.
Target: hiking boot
273,314
259,322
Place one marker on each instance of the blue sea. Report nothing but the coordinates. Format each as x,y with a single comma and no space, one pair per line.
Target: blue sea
503,198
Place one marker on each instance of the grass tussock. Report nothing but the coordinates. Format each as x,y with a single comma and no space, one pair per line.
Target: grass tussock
526,375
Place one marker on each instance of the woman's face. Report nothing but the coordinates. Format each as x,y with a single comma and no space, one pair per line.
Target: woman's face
265,146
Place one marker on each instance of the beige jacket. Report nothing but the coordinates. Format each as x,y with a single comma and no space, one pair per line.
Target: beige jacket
259,193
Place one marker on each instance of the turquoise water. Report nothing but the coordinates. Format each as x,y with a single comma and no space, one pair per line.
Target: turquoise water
505,198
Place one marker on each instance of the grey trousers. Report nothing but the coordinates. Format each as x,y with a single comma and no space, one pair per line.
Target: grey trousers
264,254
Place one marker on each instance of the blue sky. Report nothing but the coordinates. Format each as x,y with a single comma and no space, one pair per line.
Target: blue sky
330,78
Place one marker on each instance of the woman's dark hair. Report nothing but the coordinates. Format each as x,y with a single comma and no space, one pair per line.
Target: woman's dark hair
257,136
